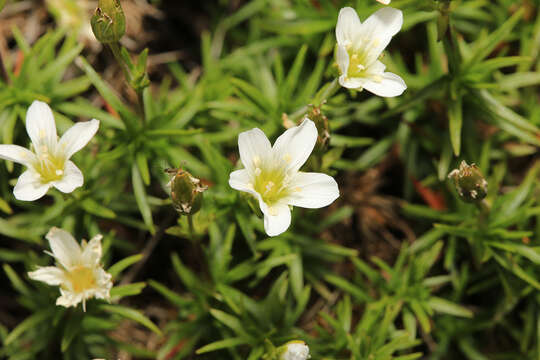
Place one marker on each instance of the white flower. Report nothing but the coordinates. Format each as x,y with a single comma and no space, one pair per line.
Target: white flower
359,46
296,350
385,2
48,165
78,270
271,174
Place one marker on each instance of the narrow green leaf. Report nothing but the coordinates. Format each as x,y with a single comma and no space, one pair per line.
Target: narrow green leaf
121,291
93,207
170,295
140,198
291,81
447,307
27,324
130,314
222,344
142,165
121,265
486,45
231,321
104,89
16,281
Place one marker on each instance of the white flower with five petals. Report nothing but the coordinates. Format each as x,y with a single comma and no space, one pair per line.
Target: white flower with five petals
271,174
359,46
48,165
78,271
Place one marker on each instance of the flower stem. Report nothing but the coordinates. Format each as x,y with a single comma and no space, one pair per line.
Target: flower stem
115,48
191,227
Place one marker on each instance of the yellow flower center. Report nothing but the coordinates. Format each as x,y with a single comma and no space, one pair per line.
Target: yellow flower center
81,278
357,63
360,59
271,184
49,166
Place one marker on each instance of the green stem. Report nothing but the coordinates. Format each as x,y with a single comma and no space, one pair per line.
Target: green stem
115,48
485,209
191,227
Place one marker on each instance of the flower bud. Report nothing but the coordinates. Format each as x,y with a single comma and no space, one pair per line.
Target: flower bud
321,122
108,22
470,184
294,350
186,192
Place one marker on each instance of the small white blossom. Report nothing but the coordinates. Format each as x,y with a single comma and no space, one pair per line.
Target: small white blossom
271,174
296,350
78,271
359,46
48,164
385,2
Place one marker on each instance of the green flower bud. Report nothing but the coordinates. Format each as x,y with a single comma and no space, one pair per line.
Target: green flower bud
186,192
470,184
108,22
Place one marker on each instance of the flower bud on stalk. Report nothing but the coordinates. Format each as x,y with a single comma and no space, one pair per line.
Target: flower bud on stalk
186,192
470,184
108,22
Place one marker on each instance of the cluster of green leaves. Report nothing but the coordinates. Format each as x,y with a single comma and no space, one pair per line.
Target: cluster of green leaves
466,287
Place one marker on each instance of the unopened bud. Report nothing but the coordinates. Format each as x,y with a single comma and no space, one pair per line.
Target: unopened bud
186,192
470,184
321,122
294,350
108,22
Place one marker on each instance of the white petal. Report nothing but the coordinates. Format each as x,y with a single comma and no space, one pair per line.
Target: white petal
40,125
348,25
17,154
29,186
254,147
68,298
49,274
91,252
380,27
342,57
296,144
72,179
239,180
296,350
277,219
64,247
390,85
351,83
385,2
77,136
104,284
313,190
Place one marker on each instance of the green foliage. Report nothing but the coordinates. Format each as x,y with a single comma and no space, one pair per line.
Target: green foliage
460,281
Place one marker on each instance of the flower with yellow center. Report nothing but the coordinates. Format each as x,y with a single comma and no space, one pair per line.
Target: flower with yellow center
78,271
271,174
359,46
48,165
